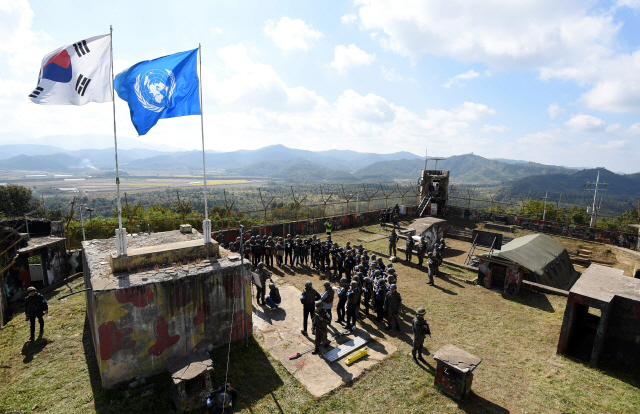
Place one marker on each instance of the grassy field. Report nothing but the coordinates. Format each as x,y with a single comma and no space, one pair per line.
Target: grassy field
516,338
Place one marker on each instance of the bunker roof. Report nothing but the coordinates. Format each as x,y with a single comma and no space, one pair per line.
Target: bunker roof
97,253
37,243
603,283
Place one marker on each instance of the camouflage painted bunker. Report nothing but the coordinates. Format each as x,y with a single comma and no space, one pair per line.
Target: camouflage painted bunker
602,318
171,300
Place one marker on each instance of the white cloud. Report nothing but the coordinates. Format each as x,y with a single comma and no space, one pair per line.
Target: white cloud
348,18
575,40
370,108
291,34
457,80
216,31
348,57
586,123
495,128
390,75
555,110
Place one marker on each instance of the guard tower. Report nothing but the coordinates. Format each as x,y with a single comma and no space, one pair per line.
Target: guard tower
434,192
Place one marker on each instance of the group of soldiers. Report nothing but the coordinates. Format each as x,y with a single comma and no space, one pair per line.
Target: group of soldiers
365,283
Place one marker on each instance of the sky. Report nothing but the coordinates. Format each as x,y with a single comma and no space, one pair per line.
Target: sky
536,80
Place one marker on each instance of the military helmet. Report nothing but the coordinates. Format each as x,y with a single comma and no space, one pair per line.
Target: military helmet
260,265
442,240
31,289
272,285
237,238
319,304
430,254
373,257
390,266
288,235
367,279
354,283
253,237
343,280
421,311
326,284
264,237
377,272
391,271
308,284
394,287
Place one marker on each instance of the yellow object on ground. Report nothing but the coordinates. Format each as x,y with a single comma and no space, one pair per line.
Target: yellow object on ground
353,358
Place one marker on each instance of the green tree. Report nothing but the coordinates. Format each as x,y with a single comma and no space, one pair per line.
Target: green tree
15,200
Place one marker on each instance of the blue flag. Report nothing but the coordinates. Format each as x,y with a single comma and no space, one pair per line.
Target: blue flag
161,88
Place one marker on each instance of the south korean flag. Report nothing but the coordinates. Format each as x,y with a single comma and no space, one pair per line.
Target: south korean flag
76,74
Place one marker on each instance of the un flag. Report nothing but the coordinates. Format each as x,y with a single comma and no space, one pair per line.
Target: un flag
165,87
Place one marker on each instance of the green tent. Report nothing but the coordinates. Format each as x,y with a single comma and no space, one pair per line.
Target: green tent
546,261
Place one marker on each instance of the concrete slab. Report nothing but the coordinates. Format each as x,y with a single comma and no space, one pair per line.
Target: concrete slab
149,256
279,333
603,283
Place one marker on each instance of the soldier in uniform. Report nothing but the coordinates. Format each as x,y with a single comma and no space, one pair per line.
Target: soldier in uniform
327,298
35,306
274,299
422,249
269,251
392,303
393,239
320,322
222,400
352,305
381,293
342,299
420,331
367,293
409,248
308,298
349,264
432,268
288,250
264,276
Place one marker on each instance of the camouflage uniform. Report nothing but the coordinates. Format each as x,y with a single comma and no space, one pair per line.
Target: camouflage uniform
392,307
264,276
320,320
420,331
432,269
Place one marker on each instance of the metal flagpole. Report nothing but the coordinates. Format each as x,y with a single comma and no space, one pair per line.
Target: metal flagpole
121,234
244,281
206,224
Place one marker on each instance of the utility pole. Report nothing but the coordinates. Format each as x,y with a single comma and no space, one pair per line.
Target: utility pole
544,212
595,189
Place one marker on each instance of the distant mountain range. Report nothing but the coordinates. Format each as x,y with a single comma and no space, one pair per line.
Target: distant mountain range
467,168
278,162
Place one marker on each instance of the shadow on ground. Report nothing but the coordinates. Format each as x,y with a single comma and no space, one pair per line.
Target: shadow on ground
531,299
250,373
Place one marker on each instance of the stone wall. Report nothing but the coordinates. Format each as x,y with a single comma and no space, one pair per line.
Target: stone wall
618,238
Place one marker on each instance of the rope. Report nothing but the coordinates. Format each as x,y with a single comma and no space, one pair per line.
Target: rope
233,310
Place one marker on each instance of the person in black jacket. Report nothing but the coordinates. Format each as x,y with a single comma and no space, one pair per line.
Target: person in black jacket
308,299
35,305
274,299
222,400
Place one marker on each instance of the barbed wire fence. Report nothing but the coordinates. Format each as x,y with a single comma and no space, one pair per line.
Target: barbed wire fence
253,206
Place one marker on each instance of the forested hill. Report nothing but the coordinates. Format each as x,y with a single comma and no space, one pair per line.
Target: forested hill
618,185
467,168
296,170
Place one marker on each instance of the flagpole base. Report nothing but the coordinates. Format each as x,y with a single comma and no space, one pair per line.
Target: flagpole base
121,242
206,230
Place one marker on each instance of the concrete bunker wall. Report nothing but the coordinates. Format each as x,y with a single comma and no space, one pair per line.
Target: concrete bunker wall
140,330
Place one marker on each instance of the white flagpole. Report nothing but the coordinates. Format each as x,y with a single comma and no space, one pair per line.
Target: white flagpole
206,224
121,234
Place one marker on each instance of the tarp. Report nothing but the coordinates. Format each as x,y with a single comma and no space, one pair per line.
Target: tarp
542,256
